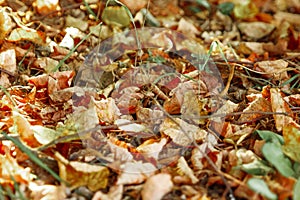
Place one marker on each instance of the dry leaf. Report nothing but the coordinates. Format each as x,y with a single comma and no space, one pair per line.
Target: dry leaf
256,30
152,149
135,172
260,104
9,168
157,186
77,174
187,28
275,69
45,7
107,110
6,23
115,193
20,34
279,105
184,169
23,128
181,132
291,136
47,192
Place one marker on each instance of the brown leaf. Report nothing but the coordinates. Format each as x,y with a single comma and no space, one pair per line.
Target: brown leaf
279,105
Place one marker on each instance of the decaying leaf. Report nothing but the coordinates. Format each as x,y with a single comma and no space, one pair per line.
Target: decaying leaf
77,174
157,186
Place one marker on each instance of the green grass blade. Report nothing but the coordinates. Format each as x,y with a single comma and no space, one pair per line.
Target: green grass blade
32,156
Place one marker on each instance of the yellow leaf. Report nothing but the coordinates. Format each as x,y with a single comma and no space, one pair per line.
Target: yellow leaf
82,174
291,136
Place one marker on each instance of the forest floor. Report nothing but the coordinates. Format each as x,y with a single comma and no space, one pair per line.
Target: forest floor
162,99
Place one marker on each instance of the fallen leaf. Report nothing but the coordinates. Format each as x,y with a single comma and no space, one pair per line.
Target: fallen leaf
184,169
47,192
115,193
116,16
279,105
77,174
275,69
181,132
135,172
45,7
20,34
187,28
152,149
291,136
256,30
157,186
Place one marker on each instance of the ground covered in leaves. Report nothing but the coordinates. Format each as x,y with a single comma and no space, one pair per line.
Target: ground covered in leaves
143,99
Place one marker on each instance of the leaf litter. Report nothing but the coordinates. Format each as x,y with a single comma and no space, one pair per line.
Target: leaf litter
210,112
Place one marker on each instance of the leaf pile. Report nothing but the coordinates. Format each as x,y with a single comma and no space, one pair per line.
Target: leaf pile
146,99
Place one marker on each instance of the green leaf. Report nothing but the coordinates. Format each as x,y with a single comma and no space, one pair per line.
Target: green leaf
296,195
226,8
203,3
260,186
273,153
270,136
257,167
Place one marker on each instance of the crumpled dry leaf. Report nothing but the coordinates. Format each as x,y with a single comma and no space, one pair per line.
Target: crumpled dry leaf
119,150
107,110
198,159
279,105
181,132
275,69
115,193
157,186
184,169
135,172
84,118
47,192
82,174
